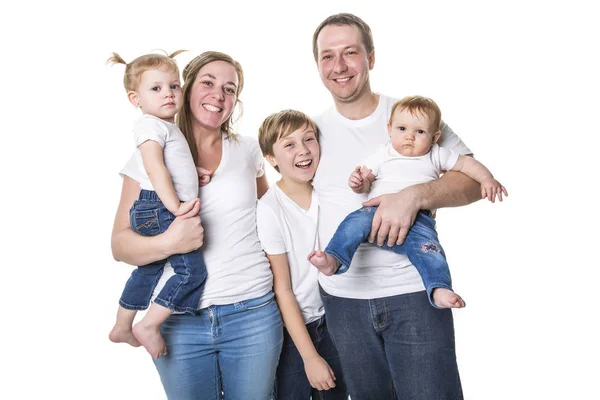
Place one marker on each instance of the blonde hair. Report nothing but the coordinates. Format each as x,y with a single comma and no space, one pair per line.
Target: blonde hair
421,105
190,72
341,20
135,69
280,125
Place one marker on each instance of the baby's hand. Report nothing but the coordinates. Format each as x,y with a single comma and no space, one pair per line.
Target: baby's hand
491,189
186,206
204,176
358,181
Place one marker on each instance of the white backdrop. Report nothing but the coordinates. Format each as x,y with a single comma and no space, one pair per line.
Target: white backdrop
517,80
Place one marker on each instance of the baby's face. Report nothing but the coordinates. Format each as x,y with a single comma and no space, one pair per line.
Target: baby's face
412,135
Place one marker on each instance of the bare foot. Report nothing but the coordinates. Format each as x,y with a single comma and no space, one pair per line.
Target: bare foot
444,298
324,262
123,334
149,336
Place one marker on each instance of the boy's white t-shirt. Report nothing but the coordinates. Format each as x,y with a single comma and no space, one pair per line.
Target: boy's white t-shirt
395,172
176,153
237,267
285,227
345,143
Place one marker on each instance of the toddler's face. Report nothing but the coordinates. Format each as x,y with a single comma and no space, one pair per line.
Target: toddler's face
412,135
159,93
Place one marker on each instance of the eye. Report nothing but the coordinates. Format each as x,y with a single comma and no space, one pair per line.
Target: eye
175,86
309,139
155,88
401,128
352,52
287,145
326,57
421,131
207,83
229,90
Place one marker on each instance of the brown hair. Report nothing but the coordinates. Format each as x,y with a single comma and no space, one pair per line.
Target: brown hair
135,69
345,19
422,105
190,72
280,125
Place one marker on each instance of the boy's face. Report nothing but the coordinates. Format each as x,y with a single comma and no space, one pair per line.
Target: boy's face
158,94
412,135
297,155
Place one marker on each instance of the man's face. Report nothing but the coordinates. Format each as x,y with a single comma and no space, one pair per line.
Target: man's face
343,62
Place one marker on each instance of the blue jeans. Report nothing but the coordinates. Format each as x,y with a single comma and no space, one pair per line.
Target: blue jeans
292,383
421,246
149,217
231,349
394,346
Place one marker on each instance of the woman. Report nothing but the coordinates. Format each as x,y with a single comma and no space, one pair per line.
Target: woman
233,342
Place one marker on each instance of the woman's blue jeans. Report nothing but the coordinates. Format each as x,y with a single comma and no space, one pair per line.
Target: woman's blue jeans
231,349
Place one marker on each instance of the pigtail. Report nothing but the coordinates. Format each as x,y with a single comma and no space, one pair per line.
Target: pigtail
175,53
116,59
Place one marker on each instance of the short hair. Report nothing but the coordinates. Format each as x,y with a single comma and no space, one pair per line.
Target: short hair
345,19
135,69
280,125
421,105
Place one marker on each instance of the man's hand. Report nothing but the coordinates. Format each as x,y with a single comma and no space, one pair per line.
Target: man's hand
394,217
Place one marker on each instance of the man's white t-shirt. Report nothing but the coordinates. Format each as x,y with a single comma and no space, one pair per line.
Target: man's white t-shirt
176,153
395,172
345,143
286,228
237,267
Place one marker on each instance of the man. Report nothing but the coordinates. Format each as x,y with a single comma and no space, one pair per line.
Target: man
391,341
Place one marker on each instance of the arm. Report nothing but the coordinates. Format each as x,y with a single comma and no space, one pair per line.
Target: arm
490,187
319,373
397,211
185,234
262,185
154,164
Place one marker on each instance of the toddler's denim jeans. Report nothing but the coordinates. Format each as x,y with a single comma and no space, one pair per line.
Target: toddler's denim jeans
149,217
421,246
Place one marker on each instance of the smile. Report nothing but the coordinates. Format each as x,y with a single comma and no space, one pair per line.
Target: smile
303,164
212,108
342,80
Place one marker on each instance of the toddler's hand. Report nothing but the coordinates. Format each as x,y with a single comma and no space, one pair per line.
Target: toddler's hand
186,206
491,189
204,176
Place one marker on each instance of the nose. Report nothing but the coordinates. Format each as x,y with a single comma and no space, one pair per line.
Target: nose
340,65
217,94
169,93
304,150
409,135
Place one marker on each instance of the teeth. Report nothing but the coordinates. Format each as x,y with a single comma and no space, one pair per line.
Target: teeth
342,79
211,108
304,163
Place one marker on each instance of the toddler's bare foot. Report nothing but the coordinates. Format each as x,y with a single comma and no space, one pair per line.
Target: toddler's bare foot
324,262
123,334
149,336
444,298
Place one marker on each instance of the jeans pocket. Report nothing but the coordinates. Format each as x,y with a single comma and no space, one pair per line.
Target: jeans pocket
145,222
253,304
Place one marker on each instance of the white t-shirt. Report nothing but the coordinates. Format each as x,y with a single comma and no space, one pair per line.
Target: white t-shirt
395,172
237,267
176,153
374,273
285,227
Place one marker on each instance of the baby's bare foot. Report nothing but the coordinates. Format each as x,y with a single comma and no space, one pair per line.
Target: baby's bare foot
149,336
324,262
123,334
444,298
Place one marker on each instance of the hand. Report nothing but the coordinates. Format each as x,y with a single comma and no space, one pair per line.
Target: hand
358,181
319,373
394,217
186,207
185,233
204,176
491,189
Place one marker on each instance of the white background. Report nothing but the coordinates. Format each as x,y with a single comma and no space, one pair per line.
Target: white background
517,80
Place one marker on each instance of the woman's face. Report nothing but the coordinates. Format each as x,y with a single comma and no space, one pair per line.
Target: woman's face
214,94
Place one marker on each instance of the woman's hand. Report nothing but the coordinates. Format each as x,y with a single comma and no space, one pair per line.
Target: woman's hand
185,234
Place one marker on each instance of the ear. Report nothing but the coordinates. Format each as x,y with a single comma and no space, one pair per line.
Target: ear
372,60
389,129
271,160
133,98
436,137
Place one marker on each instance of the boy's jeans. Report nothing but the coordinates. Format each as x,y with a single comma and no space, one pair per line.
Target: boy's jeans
421,246
149,217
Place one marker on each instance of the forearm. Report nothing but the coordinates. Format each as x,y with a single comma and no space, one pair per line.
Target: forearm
294,323
134,249
453,189
473,169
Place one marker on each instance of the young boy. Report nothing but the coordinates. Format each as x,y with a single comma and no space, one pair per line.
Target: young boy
411,157
169,183
287,218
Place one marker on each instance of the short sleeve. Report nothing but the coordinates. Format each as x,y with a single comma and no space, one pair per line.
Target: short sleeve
150,128
257,158
443,158
269,230
450,140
